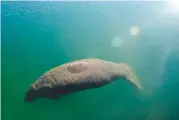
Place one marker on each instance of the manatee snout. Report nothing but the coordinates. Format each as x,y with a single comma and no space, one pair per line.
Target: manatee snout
43,92
31,95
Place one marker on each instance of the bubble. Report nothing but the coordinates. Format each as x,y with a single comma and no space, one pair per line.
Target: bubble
134,30
117,42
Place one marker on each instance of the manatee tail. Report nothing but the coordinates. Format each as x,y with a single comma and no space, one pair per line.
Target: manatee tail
130,75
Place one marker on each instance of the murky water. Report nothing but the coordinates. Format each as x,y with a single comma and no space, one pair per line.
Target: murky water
37,36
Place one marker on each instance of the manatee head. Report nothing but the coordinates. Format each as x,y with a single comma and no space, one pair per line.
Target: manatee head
39,90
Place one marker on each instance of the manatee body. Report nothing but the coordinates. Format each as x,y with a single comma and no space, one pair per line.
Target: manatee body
78,75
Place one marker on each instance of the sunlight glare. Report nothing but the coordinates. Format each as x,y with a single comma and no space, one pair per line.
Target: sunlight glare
117,42
173,5
134,30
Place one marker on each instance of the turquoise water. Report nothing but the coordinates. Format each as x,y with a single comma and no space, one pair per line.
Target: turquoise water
37,36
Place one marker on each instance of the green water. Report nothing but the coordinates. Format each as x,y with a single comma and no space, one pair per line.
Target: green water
37,36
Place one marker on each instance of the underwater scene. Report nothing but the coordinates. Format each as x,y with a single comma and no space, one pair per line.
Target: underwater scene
90,60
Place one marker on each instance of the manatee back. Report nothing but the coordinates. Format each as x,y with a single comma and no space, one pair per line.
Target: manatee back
86,71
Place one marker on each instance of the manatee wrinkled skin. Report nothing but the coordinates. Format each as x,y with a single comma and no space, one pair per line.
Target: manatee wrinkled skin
79,75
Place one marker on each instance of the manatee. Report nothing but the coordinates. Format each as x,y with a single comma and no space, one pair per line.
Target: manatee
77,76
